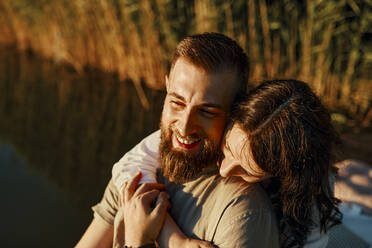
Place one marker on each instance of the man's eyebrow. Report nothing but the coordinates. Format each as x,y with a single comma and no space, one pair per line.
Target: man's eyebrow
208,105
177,96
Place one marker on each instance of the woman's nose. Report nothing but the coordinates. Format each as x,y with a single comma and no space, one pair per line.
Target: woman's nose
220,159
229,167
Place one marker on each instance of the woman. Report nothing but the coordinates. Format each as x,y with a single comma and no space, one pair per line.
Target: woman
281,136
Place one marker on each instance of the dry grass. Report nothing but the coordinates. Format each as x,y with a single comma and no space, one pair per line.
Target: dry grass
324,43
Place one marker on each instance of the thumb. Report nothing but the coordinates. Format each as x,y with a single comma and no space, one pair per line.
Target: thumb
201,244
205,244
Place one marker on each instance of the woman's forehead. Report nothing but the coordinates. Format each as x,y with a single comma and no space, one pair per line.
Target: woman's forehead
238,142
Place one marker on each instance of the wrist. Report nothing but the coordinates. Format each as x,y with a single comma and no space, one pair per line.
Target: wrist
177,240
152,245
145,244
136,241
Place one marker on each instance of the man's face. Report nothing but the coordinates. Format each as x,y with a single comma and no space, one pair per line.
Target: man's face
194,115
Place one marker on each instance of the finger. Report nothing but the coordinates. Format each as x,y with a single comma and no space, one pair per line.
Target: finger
131,186
165,197
205,244
162,197
160,209
200,244
122,193
148,197
147,187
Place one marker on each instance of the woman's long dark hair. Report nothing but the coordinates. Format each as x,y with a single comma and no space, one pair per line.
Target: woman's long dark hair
291,138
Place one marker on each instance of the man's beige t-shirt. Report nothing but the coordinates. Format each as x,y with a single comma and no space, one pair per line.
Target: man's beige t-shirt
225,211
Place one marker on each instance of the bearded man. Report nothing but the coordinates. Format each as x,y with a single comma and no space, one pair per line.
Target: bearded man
208,74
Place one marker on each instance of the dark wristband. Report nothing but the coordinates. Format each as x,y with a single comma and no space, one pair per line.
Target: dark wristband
142,246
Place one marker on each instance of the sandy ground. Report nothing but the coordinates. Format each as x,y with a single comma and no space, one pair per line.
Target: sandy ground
354,183
354,188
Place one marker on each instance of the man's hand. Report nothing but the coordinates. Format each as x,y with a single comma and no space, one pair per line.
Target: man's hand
195,243
143,218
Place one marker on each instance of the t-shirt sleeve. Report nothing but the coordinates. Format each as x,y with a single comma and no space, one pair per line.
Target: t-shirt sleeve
239,227
107,208
143,157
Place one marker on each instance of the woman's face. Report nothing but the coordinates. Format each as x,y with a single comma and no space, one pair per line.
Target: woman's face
237,160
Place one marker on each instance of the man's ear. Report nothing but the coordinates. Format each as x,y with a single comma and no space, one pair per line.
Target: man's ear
167,82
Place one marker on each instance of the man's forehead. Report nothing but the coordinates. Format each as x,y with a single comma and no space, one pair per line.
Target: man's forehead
214,88
217,70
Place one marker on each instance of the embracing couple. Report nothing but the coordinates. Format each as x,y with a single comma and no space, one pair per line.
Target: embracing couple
227,168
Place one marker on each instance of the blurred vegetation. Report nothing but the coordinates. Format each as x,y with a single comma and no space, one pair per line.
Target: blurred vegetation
71,128
325,43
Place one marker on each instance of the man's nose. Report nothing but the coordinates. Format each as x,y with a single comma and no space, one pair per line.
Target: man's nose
188,123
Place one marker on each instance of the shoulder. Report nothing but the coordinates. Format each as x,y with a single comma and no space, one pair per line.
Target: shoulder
232,191
247,218
250,195
226,211
151,143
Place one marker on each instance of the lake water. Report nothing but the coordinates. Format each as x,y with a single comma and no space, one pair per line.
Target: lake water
60,134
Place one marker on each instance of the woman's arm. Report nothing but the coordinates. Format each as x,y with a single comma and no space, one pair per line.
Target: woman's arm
98,235
172,236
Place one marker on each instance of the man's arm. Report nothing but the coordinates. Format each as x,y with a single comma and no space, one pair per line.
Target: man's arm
100,232
98,235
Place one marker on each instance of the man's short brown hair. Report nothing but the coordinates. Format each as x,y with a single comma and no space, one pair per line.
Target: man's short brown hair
214,52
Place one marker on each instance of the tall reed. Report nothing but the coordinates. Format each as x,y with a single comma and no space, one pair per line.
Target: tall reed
325,43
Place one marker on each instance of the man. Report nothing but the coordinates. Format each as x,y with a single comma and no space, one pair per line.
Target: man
207,75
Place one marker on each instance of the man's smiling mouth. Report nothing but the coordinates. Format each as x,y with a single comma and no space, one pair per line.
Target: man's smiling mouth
187,143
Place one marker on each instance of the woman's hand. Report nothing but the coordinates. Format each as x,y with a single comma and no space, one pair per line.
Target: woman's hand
143,219
195,243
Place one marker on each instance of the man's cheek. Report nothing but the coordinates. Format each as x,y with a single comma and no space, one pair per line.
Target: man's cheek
216,130
220,126
166,114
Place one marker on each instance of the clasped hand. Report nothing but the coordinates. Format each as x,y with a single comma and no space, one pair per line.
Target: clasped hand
144,211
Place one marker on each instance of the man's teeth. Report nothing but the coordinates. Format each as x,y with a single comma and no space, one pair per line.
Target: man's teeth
187,141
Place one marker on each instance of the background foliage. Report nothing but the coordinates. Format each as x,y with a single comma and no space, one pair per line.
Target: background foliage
326,43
